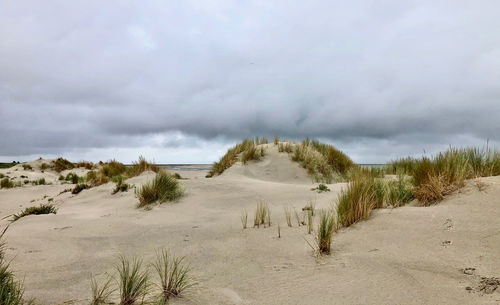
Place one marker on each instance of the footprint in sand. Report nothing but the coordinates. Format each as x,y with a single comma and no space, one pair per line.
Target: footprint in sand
448,224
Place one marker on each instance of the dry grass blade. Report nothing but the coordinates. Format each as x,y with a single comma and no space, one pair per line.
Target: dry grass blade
244,219
288,216
262,214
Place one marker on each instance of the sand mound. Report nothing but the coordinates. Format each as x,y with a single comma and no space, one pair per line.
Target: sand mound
274,166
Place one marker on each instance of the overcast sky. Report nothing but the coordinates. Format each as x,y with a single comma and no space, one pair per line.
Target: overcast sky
181,81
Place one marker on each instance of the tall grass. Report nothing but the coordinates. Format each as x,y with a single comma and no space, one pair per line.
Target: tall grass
230,157
322,161
174,275
446,172
262,214
163,187
326,227
101,294
356,201
61,164
141,166
133,281
6,183
251,152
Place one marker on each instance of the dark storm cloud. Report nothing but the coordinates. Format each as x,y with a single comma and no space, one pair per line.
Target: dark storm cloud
401,75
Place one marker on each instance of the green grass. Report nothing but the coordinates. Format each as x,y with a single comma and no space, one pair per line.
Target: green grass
40,181
321,188
8,165
27,167
6,183
36,210
79,187
133,281
446,172
101,293
252,153
113,168
121,187
163,187
230,157
326,227
61,164
356,202
173,274
141,166
72,177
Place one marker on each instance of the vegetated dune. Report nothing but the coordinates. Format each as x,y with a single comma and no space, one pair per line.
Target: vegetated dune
274,166
409,255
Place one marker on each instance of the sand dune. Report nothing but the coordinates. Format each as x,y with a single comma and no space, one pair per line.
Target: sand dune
409,255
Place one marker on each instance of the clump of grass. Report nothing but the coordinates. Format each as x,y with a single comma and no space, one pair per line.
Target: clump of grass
40,181
276,140
6,183
262,214
321,188
27,167
174,275
113,168
2,175
244,219
121,187
288,216
356,201
96,178
141,166
61,164
79,187
297,217
310,221
177,176
326,227
285,147
162,188
36,210
101,294
133,281
44,166
85,164
72,177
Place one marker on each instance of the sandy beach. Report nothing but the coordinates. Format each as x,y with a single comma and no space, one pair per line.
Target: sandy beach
407,255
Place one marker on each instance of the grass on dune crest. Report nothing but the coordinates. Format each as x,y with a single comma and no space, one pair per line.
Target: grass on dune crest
248,150
163,187
11,290
141,166
322,161
446,172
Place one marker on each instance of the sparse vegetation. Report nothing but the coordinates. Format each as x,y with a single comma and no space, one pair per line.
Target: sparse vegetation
133,281
288,216
174,275
141,166
231,157
321,188
27,167
61,164
446,172
72,177
310,221
244,219
101,294
40,181
44,166
326,227
36,210
121,187
322,161
85,164
276,140
162,188
262,215
285,147
78,188
6,183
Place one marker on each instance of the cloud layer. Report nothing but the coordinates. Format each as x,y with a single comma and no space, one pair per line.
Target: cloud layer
167,77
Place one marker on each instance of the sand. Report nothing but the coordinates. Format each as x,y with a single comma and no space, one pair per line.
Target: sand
408,255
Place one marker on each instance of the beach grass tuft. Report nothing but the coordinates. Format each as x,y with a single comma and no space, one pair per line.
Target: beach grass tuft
36,210
163,187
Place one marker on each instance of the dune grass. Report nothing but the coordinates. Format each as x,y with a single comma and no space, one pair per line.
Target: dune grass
288,216
323,162
244,219
11,290
173,274
163,187
326,227
446,172
141,166
61,164
276,140
285,147
27,167
247,148
101,293
36,210
133,281
6,183
262,215
356,201
85,164
79,187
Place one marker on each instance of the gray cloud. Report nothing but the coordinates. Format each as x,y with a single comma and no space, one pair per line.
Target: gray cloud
368,77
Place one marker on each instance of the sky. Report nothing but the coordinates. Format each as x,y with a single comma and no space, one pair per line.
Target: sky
181,81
